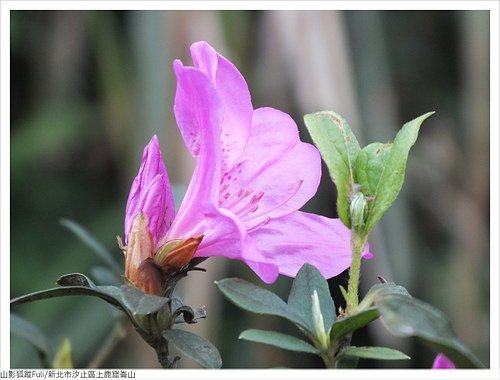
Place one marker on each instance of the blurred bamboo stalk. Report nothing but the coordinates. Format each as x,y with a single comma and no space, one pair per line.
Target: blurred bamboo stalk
114,80
152,87
62,66
470,252
310,50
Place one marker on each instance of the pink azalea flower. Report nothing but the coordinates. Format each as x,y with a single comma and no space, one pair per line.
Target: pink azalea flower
252,175
442,362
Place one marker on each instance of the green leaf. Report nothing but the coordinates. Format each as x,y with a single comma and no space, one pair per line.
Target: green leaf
380,290
92,243
339,148
136,305
343,326
370,165
377,353
126,297
280,340
26,330
284,341
139,303
258,300
380,169
72,285
63,356
197,348
308,280
411,317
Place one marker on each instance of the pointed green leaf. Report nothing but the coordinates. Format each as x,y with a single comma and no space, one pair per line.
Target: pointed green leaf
377,353
344,292
381,290
308,280
63,356
380,169
84,235
339,148
370,165
411,317
26,330
343,326
197,348
258,300
280,340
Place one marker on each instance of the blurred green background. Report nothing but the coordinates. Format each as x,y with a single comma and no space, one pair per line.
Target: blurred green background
89,88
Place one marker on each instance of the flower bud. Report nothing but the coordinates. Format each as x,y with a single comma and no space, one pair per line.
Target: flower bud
318,322
358,210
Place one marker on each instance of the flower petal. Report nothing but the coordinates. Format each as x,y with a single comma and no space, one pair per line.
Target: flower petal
222,234
234,95
151,193
297,238
227,237
267,272
277,172
442,362
198,108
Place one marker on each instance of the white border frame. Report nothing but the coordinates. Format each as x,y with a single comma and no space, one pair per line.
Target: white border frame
492,5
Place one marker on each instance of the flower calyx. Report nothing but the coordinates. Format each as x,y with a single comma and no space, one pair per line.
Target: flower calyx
176,254
140,269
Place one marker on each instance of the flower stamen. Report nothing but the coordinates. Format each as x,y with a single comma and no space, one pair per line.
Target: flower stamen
264,212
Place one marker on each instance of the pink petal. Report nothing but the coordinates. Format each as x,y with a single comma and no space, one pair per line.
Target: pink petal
233,92
267,272
297,238
198,108
151,193
198,213
442,362
222,234
276,174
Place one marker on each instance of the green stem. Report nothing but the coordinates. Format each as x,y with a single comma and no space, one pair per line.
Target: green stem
358,241
329,360
163,356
